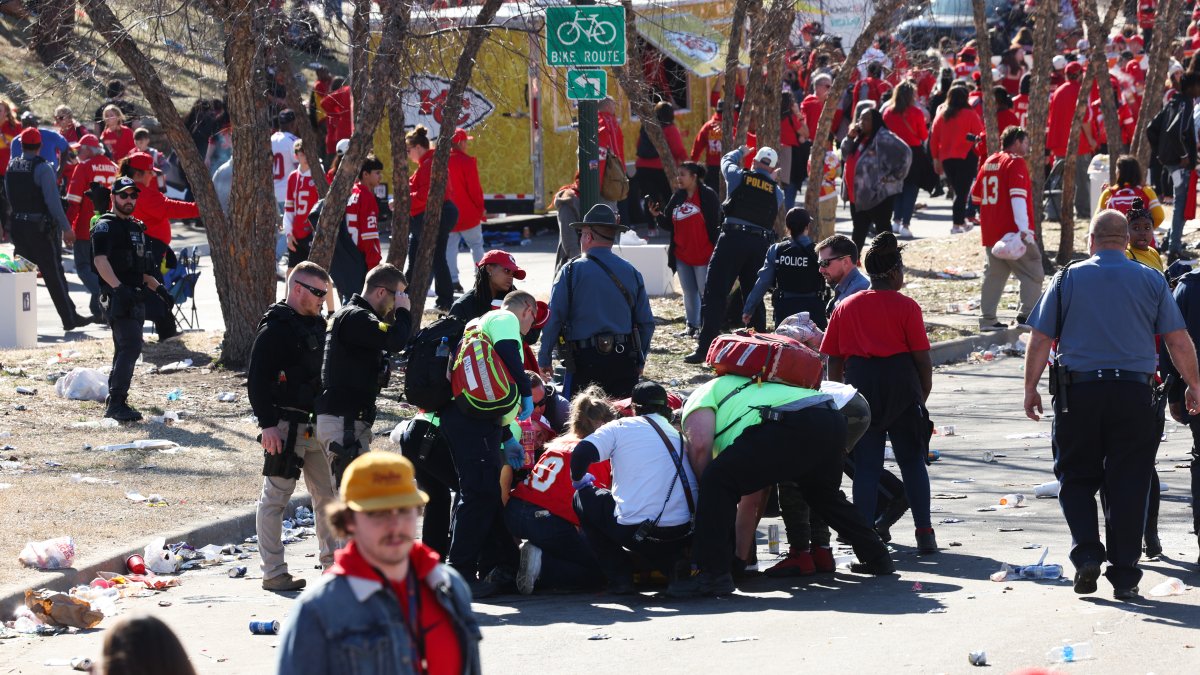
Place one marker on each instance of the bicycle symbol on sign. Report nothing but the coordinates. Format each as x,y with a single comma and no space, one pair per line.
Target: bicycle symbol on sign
600,32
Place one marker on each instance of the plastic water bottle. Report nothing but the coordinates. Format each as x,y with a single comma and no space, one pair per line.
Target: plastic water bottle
175,395
1012,500
443,348
1039,571
1069,653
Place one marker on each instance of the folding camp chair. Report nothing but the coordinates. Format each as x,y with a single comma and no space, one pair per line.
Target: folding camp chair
184,288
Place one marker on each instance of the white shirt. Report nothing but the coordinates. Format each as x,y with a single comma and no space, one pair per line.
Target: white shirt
643,470
283,162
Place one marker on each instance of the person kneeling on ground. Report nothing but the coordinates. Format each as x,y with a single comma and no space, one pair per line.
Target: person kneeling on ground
755,436
650,507
385,590
540,507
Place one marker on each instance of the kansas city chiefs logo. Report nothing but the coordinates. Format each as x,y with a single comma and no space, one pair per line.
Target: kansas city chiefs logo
425,100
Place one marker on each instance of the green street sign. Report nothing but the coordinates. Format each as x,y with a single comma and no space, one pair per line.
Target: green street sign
586,85
585,35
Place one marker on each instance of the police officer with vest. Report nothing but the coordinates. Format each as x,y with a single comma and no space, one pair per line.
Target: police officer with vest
356,365
791,271
600,318
1105,312
744,436
282,381
37,221
123,261
749,230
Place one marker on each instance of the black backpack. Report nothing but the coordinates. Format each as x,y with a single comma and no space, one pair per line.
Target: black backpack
426,375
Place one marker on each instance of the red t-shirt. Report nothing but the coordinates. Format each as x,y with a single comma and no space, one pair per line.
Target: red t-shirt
948,139
443,654
707,146
362,219
811,108
692,246
98,169
1004,120
1001,178
875,324
548,484
418,185
464,189
1062,109
964,70
119,142
1145,13
301,195
909,126
340,121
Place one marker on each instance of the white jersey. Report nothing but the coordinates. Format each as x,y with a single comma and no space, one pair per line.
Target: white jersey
283,162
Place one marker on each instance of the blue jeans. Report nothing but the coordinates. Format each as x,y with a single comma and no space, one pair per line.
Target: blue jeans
789,196
567,561
902,211
441,269
87,274
910,455
692,279
1179,189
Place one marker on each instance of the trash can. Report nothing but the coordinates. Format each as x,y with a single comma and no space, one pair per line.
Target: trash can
18,309
1097,176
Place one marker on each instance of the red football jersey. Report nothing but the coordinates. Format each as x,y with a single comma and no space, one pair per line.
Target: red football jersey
1021,107
548,484
301,195
1122,199
362,219
1001,178
98,169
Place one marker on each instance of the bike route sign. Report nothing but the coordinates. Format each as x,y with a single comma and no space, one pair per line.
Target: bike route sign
585,35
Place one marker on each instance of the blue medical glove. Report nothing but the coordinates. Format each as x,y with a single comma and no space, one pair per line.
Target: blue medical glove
526,408
587,481
514,453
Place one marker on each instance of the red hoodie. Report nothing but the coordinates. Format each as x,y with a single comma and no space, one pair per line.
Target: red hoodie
442,651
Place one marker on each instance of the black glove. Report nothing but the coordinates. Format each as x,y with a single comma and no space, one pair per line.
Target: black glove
166,296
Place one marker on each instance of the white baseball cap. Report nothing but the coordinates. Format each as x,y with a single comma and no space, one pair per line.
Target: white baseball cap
342,146
1059,62
767,156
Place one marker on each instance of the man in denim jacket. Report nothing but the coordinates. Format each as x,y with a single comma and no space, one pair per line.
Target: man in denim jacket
387,605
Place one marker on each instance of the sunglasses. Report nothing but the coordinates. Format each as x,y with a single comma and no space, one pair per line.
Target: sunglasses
125,195
317,292
829,261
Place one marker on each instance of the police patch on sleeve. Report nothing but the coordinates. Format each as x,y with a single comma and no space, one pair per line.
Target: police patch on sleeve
100,226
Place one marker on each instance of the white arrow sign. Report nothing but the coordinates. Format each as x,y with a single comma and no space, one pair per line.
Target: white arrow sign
586,82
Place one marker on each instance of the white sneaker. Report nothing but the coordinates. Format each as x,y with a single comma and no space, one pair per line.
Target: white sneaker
903,232
957,229
529,569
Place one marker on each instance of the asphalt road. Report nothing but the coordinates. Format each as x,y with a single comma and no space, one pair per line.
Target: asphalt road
826,623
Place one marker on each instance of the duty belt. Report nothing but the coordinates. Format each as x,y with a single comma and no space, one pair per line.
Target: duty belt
294,416
1109,375
30,217
750,229
787,295
592,341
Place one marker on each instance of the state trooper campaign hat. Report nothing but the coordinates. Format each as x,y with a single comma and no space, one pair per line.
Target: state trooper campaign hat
601,215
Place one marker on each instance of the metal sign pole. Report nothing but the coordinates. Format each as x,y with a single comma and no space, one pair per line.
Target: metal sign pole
589,149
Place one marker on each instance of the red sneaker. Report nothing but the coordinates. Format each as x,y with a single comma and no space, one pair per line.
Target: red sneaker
823,559
796,564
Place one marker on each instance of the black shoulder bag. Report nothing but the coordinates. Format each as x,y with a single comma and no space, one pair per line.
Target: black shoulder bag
1059,377
648,530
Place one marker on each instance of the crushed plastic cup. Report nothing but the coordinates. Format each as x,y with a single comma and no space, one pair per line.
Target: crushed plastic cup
1172,586
1049,489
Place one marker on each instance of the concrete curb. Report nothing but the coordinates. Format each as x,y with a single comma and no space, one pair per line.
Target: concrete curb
959,349
231,530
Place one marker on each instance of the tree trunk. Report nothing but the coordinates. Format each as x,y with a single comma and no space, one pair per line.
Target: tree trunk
884,11
755,77
422,266
51,39
632,79
729,80
771,32
1097,34
1066,237
251,246
398,244
1156,79
367,113
983,47
360,37
232,279
1045,26
314,145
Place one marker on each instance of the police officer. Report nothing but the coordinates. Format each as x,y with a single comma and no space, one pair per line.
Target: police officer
791,271
123,260
744,436
283,381
37,215
1106,311
600,316
749,229
356,366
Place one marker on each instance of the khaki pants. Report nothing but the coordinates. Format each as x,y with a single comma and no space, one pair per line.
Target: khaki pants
1028,271
276,493
826,219
330,429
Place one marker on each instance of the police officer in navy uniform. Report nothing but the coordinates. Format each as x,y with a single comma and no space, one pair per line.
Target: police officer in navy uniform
37,220
123,260
749,230
792,274
1107,310
600,318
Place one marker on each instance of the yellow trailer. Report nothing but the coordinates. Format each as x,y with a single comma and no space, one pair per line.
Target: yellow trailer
516,109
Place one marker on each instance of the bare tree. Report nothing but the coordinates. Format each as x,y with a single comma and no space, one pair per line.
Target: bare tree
1066,235
304,127
422,266
52,30
1097,33
641,96
729,84
1045,24
764,96
983,49
1156,77
360,36
885,10
398,246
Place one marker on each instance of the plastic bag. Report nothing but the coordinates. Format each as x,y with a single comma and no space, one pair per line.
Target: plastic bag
83,384
52,554
60,609
1010,247
158,559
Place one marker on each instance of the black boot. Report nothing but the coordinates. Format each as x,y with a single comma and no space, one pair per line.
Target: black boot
119,410
891,514
1153,546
